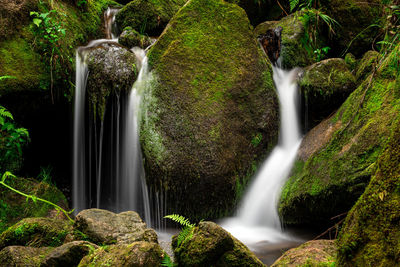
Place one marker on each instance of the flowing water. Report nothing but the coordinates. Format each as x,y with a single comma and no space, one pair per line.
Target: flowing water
107,166
257,219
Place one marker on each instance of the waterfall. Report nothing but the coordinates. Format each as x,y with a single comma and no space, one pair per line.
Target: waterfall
107,166
257,216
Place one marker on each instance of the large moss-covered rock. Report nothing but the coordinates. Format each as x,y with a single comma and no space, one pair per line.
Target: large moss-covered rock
112,70
325,86
106,227
19,256
331,177
210,245
137,254
130,38
211,112
297,49
14,207
371,233
367,64
311,253
148,16
36,232
359,24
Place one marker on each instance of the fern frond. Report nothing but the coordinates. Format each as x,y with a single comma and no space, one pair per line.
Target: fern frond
5,113
167,261
6,77
186,233
180,219
293,4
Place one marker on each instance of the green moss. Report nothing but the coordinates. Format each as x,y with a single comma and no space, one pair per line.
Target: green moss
343,167
15,207
211,85
351,61
367,64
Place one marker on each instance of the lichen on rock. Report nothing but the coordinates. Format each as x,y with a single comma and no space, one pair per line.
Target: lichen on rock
211,94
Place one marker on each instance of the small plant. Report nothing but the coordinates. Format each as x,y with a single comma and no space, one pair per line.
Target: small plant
187,230
321,53
45,174
167,261
34,198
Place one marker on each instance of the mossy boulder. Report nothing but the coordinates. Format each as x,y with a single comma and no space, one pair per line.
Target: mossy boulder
19,256
371,232
324,86
358,24
148,16
211,112
112,70
297,49
311,253
332,176
351,61
137,254
367,64
36,232
208,244
14,207
130,38
106,227
69,254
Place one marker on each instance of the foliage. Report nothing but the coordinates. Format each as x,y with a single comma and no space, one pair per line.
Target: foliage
12,138
34,198
320,53
167,261
187,230
45,174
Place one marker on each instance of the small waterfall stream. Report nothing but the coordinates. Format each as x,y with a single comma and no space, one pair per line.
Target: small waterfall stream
107,166
257,217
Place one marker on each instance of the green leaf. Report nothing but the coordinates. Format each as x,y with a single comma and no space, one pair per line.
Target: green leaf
37,22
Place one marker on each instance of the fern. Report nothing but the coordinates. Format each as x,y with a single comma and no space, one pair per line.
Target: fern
185,233
6,77
293,4
180,219
4,113
167,261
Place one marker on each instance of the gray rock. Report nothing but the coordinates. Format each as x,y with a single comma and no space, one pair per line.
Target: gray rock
131,38
69,254
106,227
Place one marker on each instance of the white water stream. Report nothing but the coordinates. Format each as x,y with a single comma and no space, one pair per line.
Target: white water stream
257,218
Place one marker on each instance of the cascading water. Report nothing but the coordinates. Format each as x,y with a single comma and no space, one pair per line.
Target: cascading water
107,165
257,217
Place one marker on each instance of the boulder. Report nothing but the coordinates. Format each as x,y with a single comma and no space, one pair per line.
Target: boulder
130,38
296,46
112,69
106,227
137,254
19,256
208,244
14,207
358,24
329,179
351,61
370,235
324,86
148,16
69,254
36,232
211,113
311,253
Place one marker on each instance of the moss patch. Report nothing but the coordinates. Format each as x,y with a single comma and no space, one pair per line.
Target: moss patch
211,93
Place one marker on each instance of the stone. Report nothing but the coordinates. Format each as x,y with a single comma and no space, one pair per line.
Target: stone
106,227
19,256
131,38
69,254
210,113
311,253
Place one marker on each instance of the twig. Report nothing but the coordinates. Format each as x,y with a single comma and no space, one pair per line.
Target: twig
282,7
330,228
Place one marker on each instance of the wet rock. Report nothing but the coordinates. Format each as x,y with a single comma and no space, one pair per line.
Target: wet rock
271,42
18,256
324,87
210,245
212,111
106,227
311,253
131,38
69,254
112,69
36,232
136,254
148,16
